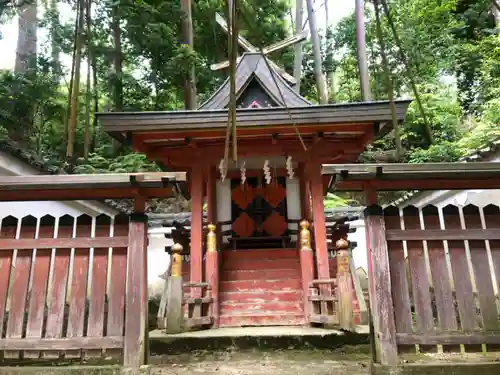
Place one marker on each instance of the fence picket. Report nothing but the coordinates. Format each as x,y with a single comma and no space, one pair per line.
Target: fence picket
20,284
419,279
462,281
98,283
58,285
38,295
481,267
116,296
9,230
399,278
441,280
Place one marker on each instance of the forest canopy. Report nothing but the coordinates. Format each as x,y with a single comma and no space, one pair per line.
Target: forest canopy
130,55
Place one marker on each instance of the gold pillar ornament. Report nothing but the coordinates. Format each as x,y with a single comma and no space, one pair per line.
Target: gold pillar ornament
176,260
211,239
305,235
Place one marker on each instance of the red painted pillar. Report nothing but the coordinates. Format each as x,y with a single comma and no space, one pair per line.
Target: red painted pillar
318,209
196,226
212,255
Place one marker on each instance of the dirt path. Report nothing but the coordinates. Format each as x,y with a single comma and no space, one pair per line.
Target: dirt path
288,362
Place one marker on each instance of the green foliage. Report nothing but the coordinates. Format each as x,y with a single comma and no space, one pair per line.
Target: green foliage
452,46
333,201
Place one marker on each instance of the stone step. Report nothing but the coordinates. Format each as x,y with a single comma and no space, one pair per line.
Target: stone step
260,285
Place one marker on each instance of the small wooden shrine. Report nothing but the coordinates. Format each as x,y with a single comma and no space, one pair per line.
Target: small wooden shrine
256,204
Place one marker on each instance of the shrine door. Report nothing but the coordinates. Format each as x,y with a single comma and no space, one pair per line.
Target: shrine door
259,209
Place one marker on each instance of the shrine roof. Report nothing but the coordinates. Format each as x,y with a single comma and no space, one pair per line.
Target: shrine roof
254,66
119,124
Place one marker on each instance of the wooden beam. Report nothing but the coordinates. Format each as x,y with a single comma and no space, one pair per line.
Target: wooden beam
87,193
381,303
63,243
458,183
67,343
306,129
442,234
449,338
135,350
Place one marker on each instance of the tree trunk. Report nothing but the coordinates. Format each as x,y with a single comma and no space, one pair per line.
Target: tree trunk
55,35
364,79
76,84
496,11
71,78
86,139
93,143
297,66
190,100
117,61
318,71
26,39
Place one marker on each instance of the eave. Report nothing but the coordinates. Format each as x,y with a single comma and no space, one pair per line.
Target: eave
121,125
428,176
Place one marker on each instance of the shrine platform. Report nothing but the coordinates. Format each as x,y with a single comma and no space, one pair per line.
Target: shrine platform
240,338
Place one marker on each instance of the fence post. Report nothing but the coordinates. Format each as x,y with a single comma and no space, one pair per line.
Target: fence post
306,265
175,315
212,271
136,299
381,304
344,284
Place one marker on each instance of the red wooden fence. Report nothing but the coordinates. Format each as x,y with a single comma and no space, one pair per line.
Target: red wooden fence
64,290
435,279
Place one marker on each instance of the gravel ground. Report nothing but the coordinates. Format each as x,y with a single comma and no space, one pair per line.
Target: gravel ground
286,362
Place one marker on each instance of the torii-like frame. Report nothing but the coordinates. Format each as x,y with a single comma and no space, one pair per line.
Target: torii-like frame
249,47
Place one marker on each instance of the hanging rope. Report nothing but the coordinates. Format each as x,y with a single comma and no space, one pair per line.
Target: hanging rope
299,136
233,53
407,69
388,81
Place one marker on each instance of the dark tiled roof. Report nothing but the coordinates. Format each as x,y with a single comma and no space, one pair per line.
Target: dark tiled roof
254,66
15,150
184,218
48,167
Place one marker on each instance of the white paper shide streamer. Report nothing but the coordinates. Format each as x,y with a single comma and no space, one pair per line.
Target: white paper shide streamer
222,170
289,167
267,172
243,171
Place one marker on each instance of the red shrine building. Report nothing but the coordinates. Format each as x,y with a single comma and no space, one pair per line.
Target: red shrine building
257,203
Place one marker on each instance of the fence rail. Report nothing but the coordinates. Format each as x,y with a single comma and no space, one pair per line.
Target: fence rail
437,273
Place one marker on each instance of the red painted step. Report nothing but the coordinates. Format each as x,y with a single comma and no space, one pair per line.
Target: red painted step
260,285
264,264
233,275
261,254
272,307
257,297
261,320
